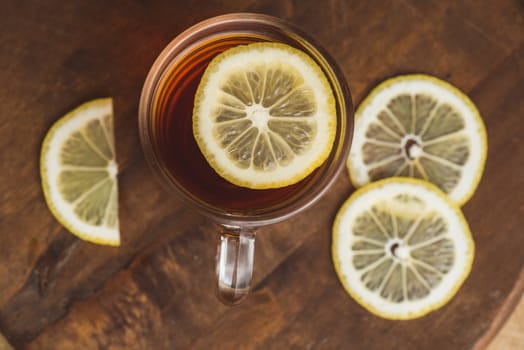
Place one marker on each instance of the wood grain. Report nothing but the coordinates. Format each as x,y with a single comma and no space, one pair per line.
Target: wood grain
511,336
156,291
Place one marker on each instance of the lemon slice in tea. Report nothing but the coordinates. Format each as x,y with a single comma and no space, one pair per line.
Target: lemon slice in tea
264,115
419,126
78,170
401,248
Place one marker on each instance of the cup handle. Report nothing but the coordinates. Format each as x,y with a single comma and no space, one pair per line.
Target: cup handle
234,263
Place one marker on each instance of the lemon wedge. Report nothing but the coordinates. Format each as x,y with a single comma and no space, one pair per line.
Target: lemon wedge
79,172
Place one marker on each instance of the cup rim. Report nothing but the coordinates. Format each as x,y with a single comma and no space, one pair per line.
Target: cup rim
336,159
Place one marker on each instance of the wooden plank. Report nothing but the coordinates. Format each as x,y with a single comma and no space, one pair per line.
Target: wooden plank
156,291
175,277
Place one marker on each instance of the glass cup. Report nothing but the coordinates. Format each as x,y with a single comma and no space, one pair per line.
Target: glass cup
165,130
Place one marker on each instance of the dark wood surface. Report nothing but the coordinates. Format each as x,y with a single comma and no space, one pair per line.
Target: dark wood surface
156,290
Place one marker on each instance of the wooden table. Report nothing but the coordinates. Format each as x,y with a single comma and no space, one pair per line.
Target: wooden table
156,290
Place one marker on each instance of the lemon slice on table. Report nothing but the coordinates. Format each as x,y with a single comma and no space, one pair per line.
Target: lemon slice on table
401,248
419,126
264,115
79,172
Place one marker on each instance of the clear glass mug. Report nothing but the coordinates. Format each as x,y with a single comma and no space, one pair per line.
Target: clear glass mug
166,136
